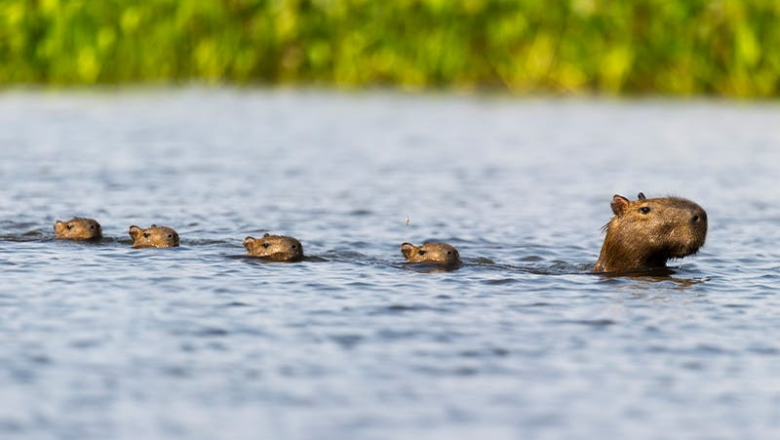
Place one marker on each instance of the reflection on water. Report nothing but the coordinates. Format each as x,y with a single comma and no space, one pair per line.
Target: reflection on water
98,340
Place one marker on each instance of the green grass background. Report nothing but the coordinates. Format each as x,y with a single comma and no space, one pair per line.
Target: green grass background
673,47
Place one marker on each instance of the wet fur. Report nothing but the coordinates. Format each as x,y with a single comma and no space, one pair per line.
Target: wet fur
275,248
431,253
646,233
154,236
78,228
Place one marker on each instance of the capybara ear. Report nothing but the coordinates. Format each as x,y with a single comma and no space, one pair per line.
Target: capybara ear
59,226
248,242
407,249
641,196
135,231
266,235
619,204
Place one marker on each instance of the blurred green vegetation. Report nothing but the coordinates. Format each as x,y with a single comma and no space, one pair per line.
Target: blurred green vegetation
678,47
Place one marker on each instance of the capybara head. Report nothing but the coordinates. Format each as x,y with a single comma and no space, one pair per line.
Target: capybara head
78,228
431,253
154,236
646,233
274,248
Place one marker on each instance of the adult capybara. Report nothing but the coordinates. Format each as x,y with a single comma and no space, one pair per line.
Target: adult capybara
154,236
646,233
275,248
78,228
431,253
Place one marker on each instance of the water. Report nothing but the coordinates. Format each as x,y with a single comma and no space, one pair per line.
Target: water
101,341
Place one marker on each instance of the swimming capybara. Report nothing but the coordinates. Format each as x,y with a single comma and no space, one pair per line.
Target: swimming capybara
78,228
646,233
431,253
275,248
154,236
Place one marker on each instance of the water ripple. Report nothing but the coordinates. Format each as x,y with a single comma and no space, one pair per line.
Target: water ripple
98,340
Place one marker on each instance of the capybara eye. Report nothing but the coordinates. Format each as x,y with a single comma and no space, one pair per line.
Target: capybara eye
170,235
645,210
421,252
70,226
265,245
146,234
295,246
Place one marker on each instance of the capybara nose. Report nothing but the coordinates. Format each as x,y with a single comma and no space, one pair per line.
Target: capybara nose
699,216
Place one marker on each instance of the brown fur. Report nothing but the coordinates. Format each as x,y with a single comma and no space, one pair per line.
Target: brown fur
78,228
274,248
646,233
154,236
431,253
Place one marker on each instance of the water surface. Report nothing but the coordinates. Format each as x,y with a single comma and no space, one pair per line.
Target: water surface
102,341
